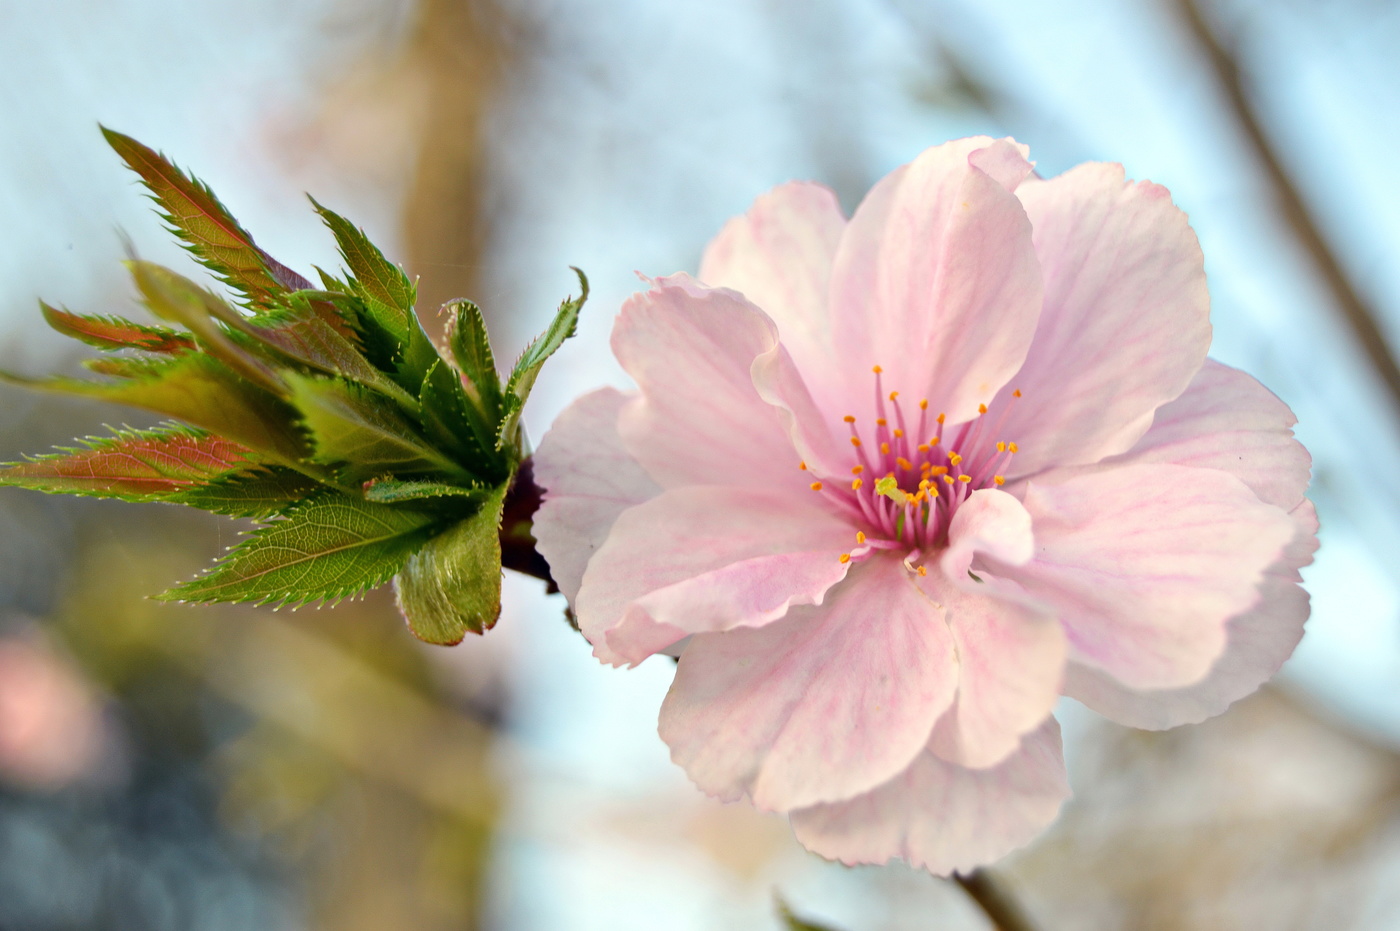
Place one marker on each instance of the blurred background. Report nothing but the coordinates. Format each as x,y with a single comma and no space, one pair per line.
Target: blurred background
171,768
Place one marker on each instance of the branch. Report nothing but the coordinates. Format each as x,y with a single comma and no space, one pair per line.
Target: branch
995,900
1359,316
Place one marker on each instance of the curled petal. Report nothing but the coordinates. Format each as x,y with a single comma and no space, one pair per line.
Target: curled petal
1145,564
699,419
822,705
1226,420
588,479
943,817
991,523
1126,322
1259,642
707,558
936,279
779,255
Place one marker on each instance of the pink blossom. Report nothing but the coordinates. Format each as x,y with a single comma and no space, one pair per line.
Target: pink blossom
890,486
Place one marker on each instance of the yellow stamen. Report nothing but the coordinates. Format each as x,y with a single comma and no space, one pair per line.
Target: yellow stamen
885,448
898,433
954,458
877,370
940,470
1016,393
1001,447
964,478
856,470
933,440
922,570
981,409
816,486
923,405
860,536
893,395
855,484
845,558
1012,447
802,466
998,479
948,479
855,441
924,447
881,422
940,419
903,463
849,419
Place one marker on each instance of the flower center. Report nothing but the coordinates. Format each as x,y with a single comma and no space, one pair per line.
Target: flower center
909,474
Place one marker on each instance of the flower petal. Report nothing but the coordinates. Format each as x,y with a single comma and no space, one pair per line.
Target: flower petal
1126,322
707,558
1145,564
699,419
1011,661
992,523
936,280
1226,420
588,479
942,817
779,255
822,705
1259,642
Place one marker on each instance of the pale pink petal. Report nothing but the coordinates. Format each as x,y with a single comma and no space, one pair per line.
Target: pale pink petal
1145,565
1011,662
1259,642
699,419
992,523
779,255
943,817
1126,322
707,558
588,479
822,705
1226,420
936,281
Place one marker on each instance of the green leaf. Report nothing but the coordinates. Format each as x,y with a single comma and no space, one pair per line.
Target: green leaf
115,332
453,584
174,297
206,226
471,350
259,492
454,423
134,465
369,433
527,367
794,923
394,491
302,334
329,547
201,391
377,276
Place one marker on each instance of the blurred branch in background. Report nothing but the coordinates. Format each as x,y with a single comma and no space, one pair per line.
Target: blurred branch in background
1360,317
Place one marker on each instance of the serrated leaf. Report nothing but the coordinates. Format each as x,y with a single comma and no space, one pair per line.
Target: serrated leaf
206,226
374,274
453,423
172,296
201,391
527,367
259,492
470,345
134,465
300,333
329,547
453,584
395,491
115,332
367,432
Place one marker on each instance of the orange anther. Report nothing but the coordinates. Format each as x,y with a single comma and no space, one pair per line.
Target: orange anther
860,536
856,470
849,419
998,479
885,448
922,570
881,422
1016,393
816,486
802,466
845,558
855,441
981,408
877,370
964,478
855,484
923,405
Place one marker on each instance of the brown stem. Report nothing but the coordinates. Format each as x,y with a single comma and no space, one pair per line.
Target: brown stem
995,900
1359,316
